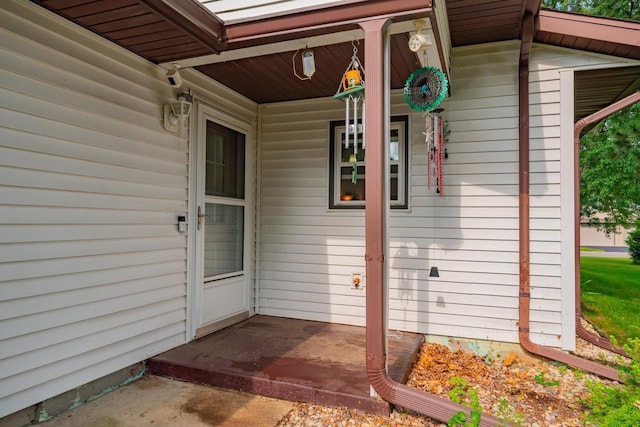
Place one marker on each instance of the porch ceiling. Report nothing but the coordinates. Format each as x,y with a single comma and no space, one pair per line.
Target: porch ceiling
148,28
484,21
185,31
270,78
596,89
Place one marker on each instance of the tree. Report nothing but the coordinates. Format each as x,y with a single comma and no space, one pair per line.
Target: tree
620,9
610,171
610,152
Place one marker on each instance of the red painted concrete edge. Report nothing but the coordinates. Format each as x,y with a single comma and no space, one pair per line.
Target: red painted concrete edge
267,387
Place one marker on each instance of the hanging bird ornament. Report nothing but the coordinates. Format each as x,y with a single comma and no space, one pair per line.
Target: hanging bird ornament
351,90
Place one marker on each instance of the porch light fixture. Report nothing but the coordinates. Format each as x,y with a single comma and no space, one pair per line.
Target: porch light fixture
420,41
308,64
176,115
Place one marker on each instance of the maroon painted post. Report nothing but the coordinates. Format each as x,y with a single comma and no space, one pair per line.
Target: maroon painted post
375,220
375,217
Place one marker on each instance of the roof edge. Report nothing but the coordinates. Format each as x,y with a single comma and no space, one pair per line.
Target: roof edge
610,30
194,18
345,14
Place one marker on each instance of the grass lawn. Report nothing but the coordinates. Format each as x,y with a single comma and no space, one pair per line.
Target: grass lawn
587,249
611,295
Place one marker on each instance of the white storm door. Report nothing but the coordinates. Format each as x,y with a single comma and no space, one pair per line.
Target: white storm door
222,282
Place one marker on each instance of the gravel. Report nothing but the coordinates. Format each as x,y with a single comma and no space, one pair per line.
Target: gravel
533,391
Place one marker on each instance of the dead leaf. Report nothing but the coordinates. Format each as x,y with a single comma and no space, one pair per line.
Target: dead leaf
510,358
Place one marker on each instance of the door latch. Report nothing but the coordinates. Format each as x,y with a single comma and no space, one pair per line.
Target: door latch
201,215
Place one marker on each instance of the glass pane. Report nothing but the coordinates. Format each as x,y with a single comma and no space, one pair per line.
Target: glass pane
346,154
348,190
393,188
223,239
394,148
224,162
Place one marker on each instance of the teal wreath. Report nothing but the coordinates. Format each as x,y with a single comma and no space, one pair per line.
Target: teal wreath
426,88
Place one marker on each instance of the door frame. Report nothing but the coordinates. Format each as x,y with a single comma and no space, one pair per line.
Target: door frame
203,110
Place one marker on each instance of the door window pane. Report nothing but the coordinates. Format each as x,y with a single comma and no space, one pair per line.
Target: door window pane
223,239
224,162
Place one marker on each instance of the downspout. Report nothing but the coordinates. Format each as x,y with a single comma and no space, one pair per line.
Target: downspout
577,130
375,219
528,24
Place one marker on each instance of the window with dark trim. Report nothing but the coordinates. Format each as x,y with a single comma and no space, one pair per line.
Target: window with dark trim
343,192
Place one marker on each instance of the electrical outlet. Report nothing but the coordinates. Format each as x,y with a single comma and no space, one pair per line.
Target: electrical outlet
356,281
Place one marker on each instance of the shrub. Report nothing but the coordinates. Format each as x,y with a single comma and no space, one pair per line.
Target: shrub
619,405
634,244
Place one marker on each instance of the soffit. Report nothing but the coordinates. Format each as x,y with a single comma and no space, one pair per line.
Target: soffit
166,31
151,29
154,29
596,89
484,21
270,78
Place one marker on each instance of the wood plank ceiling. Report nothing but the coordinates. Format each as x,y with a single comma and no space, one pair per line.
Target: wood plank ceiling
270,78
133,25
155,31
484,21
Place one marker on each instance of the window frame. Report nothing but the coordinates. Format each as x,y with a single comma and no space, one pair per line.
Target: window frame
336,130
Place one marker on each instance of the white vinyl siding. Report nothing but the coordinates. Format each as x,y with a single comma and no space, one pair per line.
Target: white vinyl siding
552,208
308,253
470,232
93,272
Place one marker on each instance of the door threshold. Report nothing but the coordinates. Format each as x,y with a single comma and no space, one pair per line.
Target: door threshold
221,324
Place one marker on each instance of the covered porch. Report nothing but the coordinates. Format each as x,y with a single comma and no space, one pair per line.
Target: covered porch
292,359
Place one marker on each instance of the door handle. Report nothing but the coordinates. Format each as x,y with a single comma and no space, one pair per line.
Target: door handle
201,215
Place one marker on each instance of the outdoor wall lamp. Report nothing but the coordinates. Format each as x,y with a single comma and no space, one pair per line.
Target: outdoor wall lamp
176,115
308,64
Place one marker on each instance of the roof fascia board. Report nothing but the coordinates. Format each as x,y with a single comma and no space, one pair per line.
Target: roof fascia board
324,19
286,46
589,27
232,11
193,18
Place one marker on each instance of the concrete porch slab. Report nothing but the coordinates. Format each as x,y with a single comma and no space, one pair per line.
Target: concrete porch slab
296,360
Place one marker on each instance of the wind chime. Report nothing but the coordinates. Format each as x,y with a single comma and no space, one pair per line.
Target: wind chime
436,153
424,90
351,90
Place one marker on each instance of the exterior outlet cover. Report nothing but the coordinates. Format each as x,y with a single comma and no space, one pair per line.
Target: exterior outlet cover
356,281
